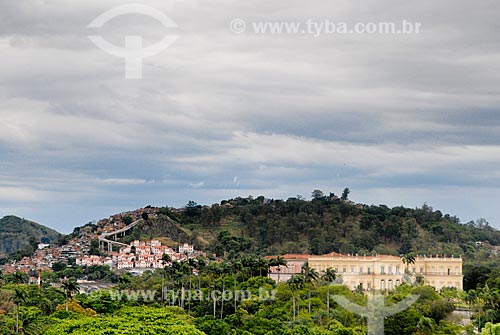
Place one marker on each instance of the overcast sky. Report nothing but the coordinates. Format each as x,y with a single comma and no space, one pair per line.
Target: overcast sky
400,119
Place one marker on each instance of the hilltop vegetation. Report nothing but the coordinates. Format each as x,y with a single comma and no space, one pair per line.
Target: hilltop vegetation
324,224
22,236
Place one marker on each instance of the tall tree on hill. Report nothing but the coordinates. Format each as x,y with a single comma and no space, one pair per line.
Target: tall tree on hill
317,194
345,194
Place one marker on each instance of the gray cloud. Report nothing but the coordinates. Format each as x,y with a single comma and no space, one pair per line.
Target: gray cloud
399,119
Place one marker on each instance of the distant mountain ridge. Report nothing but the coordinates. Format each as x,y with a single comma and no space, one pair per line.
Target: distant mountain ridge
17,234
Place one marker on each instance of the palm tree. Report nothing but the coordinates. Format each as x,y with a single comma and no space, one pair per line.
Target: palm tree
249,264
184,269
278,262
69,287
226,268
215,271
262,265
192,264
201,264
408,259
329,276
295,283
236,267
29,324
20,296
310,276
165,259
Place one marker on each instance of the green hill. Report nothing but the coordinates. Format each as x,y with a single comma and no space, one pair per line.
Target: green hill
324,224
18,234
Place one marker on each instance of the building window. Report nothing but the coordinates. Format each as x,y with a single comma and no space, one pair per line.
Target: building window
382,269
382,284
421,271
390,284
390,269
344,269
369,286
414,270
449,271
397,270
369,270
361,270
352,269
456,270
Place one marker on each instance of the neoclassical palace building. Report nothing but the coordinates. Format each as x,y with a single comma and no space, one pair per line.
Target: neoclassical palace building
380,272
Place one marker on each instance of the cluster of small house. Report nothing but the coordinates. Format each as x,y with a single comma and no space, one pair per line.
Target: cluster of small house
139,254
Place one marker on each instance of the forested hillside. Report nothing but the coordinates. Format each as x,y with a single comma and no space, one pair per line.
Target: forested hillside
327,223
20,235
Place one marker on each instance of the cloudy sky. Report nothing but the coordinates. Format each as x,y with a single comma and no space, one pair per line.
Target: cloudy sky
400,119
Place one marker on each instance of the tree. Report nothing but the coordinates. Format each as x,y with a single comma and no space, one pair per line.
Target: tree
345,194
310,276
470,299
193,209
94,247
408,259
278,262
295,283
69,287
20,296
317,194
425,326
329,276
19,278
127,220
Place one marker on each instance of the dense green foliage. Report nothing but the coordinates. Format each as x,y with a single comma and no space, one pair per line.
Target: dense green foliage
235,297
128,321
253,304
22,236
318,226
